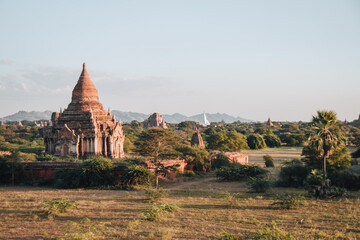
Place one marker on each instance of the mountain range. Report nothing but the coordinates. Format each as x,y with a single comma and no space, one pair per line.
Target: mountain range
130,116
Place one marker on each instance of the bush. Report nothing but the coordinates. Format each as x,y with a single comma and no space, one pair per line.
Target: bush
346,180
189,173
293,174
156,194
289,201
292,139
258,185
356,154
268,161
256,141
8,164
92,173
59,205
46,157
237,172
232,198
320,187
197,156
157,212
272,140
136,175
220,161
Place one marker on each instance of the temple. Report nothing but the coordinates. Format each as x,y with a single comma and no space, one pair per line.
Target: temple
84,127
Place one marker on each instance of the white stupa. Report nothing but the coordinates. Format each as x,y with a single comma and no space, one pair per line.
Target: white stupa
206,122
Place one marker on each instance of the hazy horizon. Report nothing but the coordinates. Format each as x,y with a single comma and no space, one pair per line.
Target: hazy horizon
249,59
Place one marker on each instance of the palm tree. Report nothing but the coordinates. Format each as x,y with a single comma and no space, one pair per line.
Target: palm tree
326,134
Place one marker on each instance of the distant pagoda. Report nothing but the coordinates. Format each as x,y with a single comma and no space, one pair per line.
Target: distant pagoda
84,127
269,122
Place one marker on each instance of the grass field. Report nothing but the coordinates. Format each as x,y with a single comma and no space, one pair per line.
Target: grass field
205,212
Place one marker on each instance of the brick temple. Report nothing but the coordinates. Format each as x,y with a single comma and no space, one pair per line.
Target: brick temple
84,127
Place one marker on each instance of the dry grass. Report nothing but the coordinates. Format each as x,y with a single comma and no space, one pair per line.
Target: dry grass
205,212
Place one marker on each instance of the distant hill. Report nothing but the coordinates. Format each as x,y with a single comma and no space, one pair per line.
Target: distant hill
30,116
177,117
130,116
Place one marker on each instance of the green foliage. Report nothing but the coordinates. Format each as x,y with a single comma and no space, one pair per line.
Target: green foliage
10,168
346,179
92,173
46,157
233,199
293,174
256,141
156,194
272,232
272,140
136,175
227,141
158,212
158,143
59,205
85,229
268,161
227,236
293,139
289,201
320,187
220,161
258,185
356,154
237,172
327,143
196,155
189,173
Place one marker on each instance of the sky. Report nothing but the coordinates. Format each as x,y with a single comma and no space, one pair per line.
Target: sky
253,59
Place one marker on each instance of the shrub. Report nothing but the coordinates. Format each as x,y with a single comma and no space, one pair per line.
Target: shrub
59,205
189,173
97,172
220,161
293,174
268,161
136,175
356,154
289,201
46,157
197,156
320,187
232,198
157,212
156,194
258,185
271,232
237,172
272,140
227,236
346,180
256,141
92,173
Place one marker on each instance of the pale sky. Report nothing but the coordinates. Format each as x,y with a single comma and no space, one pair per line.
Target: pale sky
253,59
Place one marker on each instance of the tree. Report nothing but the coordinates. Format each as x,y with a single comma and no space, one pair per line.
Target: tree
227,141
256,141
10,166
272,140
197,156
157,143
326,140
